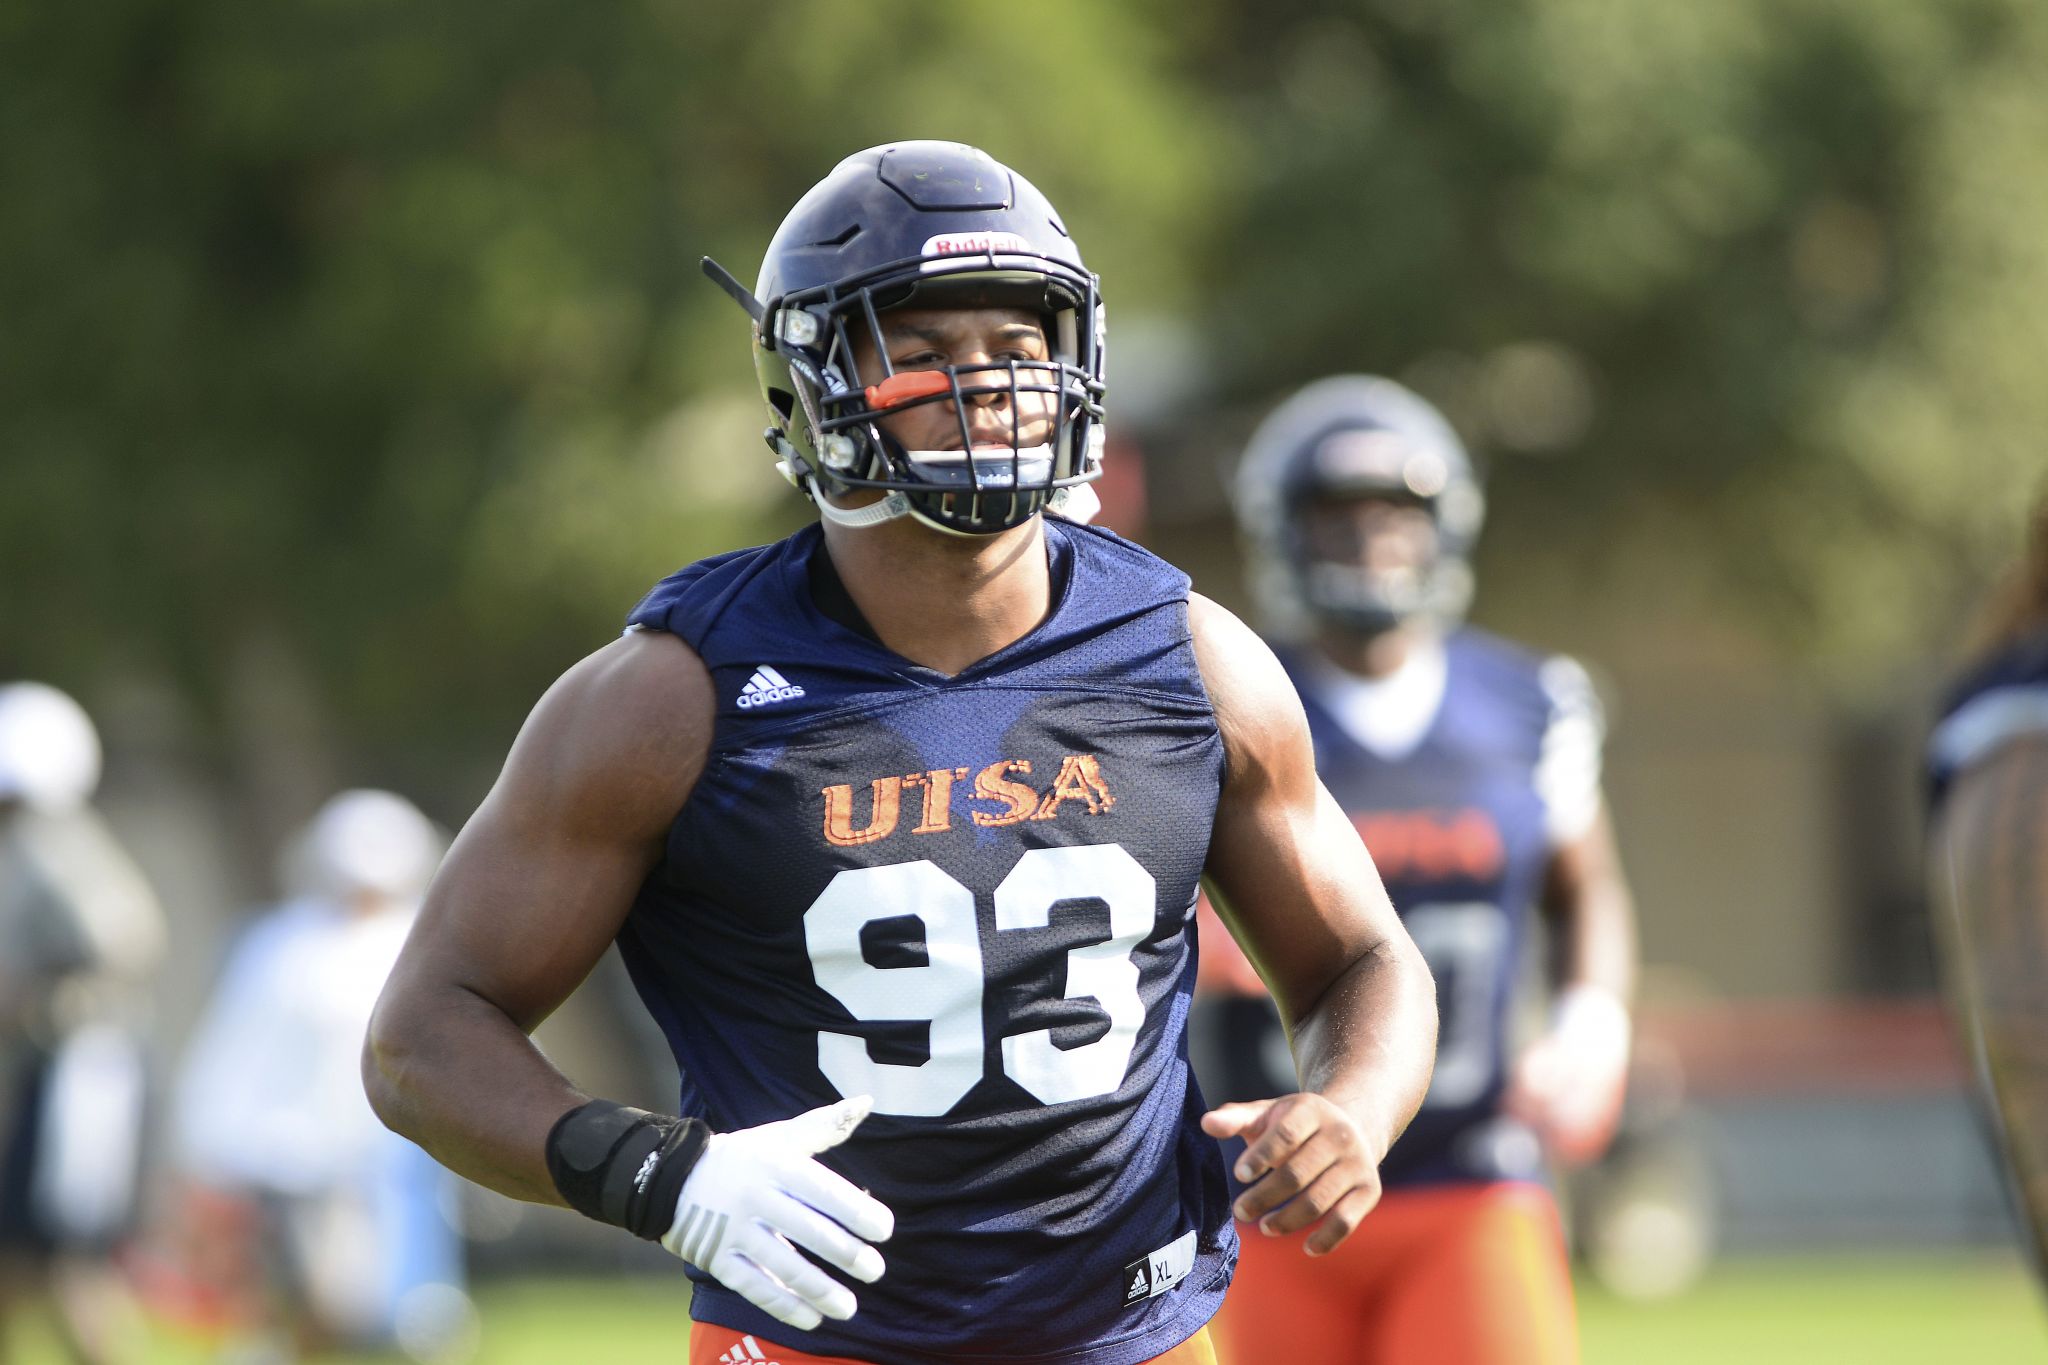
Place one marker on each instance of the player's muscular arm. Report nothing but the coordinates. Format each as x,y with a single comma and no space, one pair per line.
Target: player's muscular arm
1299,891
534,889
529,897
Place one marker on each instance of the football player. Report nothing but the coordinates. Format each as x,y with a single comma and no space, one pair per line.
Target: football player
1471,769
898,824
1988,869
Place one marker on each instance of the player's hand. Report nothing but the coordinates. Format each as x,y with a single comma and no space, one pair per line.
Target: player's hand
1570,1084
1306,1153
756,1191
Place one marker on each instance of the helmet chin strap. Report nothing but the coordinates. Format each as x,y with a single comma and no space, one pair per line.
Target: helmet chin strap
1076,502
874,514
792,467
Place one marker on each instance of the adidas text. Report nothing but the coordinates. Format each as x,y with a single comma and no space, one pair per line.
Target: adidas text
765,687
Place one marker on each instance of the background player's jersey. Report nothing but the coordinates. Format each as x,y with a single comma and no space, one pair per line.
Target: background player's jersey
2000,699
972,898
1460,807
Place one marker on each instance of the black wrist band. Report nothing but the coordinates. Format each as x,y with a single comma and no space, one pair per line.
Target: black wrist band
624,1166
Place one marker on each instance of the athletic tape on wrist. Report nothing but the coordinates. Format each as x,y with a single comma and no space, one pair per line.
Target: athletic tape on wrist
624,1166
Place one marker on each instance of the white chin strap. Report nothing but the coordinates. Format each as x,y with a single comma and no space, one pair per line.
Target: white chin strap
1077,502
799,476
874,514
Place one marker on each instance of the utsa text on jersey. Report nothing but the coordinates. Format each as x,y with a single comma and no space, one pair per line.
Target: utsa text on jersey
1079,779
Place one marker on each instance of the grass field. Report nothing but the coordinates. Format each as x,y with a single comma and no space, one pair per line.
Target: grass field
1869,1310
1866,1310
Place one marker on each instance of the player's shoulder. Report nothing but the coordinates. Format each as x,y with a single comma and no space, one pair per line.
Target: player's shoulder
627,728
2021,663
646,681
1220,635
1257,708
1511,672
1998,699
693,600
1495,658
1126,560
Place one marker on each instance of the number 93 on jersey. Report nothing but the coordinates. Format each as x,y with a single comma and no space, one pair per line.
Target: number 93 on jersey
947,989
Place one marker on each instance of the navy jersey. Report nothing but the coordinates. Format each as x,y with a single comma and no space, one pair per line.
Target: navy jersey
970,897
2001,698
1460,816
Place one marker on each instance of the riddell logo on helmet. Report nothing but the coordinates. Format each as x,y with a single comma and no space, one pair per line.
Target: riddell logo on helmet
974,243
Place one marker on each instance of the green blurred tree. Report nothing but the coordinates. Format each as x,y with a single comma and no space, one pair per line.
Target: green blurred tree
367,343
1772,272
364,343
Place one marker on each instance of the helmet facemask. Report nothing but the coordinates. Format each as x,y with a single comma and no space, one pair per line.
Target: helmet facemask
836,406
1348,438
1352,584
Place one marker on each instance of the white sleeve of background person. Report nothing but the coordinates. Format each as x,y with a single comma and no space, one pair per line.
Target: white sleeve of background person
255,1099
109,911
217,1093
91,1138
1568,764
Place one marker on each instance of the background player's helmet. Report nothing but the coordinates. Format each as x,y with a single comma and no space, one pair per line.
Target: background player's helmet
1354,436
929,224
49,752
363,842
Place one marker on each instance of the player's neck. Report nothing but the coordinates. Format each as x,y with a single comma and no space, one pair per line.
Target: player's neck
942,601
1370,656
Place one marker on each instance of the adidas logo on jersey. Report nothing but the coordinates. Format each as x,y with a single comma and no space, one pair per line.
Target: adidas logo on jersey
1161,1270
748,1352
767,687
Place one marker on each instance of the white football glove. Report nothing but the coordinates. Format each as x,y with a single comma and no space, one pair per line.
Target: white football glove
755,1191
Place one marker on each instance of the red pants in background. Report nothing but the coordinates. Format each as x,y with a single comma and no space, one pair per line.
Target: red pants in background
1445,1275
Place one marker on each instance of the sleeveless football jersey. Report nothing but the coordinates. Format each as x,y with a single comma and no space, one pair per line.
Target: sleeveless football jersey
2001,698
1460,815
970,897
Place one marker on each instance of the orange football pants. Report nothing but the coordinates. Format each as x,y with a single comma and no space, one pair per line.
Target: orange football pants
714,1345
1450,1275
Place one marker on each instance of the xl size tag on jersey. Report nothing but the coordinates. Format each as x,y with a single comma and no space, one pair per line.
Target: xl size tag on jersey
1161,1270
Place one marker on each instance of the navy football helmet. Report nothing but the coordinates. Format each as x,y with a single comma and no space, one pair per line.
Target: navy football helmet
925,224
1347,437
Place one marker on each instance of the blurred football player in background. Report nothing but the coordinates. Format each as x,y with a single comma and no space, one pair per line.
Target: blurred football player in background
1472,770
1988,868
308,1221
899,824
80,935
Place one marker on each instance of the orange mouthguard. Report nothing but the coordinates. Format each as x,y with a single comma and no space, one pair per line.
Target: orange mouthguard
899,389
